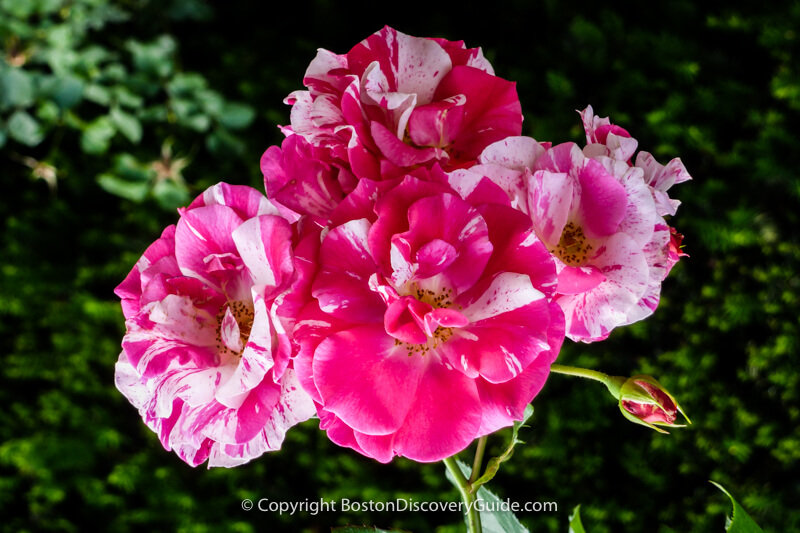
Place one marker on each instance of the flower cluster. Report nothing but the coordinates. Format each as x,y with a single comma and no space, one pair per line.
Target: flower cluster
409,276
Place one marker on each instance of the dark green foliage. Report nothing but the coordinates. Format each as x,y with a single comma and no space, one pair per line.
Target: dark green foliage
738,521
85,71
126,108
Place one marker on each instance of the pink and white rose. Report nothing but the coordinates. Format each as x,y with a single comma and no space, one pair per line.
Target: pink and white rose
396,102
598,219
430,320
205,359
598,213
595,216
606,139
305,178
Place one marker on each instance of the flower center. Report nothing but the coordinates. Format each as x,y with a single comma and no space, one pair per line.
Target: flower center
423,319
440,336
437,301
234,324
573,247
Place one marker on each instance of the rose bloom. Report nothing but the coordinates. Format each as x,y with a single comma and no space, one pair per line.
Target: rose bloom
305,178
600,224
599,214
205,360
429,319
396,102
606,141
594,223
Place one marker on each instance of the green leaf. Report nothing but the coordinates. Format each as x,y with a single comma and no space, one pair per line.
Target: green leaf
96,138
65,91
156,57
236,116
115,73
62,61
494,463
91,57
222,142
575,524
171,195
498,520
21,9
61,37
196,122
97,94
495,517
48,112
740,522
69,92
186,84
128,167
16,88
127,98
127,124
135,191
47,7
25,129
182,107
156,113
210,101
464,470
189,114
3,137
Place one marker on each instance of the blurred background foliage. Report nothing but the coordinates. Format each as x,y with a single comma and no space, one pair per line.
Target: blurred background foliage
113,113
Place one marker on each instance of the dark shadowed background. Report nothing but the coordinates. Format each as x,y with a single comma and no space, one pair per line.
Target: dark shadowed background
114,113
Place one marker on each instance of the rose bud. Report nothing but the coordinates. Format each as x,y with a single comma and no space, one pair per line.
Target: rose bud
645,401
